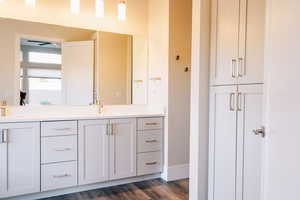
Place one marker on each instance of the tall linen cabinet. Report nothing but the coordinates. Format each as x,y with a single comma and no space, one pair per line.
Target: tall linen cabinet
236,94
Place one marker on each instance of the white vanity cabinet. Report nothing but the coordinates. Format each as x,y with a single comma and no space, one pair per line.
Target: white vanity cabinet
107,150
19,159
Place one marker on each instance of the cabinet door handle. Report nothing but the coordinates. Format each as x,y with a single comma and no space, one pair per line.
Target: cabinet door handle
151,141
233,68
151,124
232,101
1,137
63,129
113,129
4,136
61,176
152,163
64,149
241,67
239,101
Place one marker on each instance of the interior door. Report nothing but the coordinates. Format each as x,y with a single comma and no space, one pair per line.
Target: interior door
225,38
20,159
250,146
222,143
122,143
93,151
78,72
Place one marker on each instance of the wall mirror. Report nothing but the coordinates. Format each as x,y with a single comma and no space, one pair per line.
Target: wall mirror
44,64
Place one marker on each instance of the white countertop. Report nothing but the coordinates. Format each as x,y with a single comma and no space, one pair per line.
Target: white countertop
56,113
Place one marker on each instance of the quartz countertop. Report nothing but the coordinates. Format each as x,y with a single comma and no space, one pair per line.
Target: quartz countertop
60,113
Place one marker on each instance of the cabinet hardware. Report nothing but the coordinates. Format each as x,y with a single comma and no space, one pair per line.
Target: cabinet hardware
4,138
233,68
240,67
63,129
151,141
239,101
151,124
151,163
113,129
61,176
232,101
65,149
261,132
1,137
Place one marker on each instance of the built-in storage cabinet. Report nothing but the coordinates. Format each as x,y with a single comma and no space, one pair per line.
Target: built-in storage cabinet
59,155
93,151
235,151
122,148
19,159
107,150
237,45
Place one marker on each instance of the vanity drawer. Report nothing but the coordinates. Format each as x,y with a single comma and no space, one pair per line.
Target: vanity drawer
150,123
60,175
149,163
149,141
58,149
59,128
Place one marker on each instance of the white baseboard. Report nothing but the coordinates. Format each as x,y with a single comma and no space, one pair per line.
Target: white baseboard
176,172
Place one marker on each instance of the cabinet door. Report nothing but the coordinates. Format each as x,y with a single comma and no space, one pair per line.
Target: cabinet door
122,149
251,45
93,151
250,149
222,143
225,34
20,159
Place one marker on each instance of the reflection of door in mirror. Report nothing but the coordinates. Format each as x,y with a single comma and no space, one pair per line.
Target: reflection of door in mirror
40,78
115,63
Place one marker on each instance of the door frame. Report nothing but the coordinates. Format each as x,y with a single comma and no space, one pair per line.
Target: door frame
17,66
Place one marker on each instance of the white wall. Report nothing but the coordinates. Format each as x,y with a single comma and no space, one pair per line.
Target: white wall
199,100
282,69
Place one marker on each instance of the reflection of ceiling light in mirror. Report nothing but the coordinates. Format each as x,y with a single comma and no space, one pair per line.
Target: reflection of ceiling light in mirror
75,6
30,3
122,10
99,8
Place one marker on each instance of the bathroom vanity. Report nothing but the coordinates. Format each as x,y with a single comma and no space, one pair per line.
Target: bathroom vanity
47,153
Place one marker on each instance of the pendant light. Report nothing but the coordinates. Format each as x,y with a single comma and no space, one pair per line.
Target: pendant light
122,10
99,8
30,3
75,7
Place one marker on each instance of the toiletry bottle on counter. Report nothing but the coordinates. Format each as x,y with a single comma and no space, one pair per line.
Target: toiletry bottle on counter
3,109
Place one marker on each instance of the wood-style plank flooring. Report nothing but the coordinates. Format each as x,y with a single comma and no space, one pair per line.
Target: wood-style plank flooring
147,190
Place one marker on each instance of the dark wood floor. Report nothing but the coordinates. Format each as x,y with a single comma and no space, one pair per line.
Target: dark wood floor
147,190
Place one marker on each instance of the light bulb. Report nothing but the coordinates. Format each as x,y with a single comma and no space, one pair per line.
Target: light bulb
75,6
122,10
30,3
99,8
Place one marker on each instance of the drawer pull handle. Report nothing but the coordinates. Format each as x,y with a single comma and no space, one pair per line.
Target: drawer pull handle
65,149
151,141
152,163
62,176
63,129
151,124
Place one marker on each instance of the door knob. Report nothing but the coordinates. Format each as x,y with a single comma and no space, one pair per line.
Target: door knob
261,131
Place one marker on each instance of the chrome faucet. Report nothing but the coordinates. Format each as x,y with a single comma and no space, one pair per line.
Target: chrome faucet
100,106
3,108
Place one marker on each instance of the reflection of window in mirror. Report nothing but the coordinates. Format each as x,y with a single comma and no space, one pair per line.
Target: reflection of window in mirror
40,73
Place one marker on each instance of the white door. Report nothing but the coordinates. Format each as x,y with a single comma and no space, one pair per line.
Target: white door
251,44
222,143
20,159
250,146
225,34
78,72
93,151
122,143
283,100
